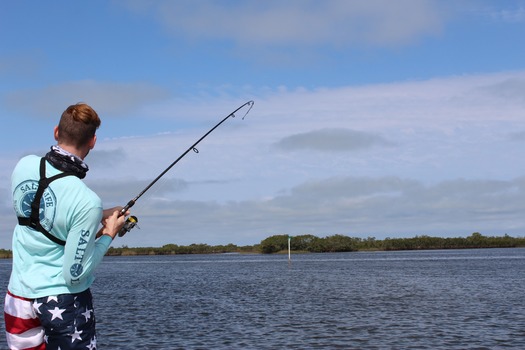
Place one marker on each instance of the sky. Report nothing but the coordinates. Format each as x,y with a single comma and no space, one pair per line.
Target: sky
370,118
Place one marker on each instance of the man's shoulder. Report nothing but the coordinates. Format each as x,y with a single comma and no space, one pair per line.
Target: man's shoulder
28,160
73,185
25,169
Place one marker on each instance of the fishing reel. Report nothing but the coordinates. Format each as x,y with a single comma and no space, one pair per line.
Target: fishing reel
131,222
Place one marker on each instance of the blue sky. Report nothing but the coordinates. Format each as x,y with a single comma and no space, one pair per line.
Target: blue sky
371,118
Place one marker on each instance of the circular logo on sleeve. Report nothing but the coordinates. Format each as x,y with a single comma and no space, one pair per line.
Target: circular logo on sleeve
23,197
76,270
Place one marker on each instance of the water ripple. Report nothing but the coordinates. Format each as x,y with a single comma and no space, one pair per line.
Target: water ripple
388,300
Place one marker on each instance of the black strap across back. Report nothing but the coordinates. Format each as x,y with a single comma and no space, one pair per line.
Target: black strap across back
34,220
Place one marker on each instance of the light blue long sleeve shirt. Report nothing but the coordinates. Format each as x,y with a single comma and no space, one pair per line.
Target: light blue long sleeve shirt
71,212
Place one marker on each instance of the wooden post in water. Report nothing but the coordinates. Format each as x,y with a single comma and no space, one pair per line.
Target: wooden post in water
289,253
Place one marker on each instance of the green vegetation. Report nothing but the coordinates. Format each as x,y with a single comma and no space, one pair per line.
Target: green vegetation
340,243
5,254
333,243
172,249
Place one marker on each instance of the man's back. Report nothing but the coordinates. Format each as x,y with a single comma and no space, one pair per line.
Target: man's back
70,211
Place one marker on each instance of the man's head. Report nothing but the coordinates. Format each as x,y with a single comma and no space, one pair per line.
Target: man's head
77,127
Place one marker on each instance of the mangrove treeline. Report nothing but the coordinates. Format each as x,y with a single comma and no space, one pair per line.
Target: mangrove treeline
341,243
334,243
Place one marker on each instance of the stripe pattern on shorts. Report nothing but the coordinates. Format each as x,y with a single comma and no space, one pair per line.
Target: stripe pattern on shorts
23,328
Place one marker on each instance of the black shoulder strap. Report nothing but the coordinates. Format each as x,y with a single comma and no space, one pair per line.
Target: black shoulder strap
34,220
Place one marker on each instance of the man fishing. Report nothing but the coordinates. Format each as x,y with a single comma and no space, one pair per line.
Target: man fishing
55,244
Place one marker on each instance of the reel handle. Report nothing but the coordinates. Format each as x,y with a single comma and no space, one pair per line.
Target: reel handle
131,222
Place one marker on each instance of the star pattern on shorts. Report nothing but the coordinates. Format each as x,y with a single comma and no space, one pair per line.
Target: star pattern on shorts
72,311
36,306
76,335
93,344
57,313
87,314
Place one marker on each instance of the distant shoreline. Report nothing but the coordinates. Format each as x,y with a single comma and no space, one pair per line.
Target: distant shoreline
279,244
8,254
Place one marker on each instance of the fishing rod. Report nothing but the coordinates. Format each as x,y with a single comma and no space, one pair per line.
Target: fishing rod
132,220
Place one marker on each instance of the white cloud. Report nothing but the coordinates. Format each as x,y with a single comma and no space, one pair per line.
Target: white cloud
318,23
514,15
331,140
112,99
517,136
452,171
361,207
507,89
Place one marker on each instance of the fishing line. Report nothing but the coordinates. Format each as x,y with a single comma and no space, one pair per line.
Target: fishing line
132,220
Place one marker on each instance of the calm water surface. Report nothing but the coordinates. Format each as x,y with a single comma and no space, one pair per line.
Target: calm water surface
454,299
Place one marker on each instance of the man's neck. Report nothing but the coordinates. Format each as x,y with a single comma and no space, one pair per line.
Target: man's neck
73,150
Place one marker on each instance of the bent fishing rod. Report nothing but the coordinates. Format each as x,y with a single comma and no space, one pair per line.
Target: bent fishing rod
132,220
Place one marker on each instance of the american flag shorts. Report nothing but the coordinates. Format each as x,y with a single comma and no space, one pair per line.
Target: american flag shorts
64,321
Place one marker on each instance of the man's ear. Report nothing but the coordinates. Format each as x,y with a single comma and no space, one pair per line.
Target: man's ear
56,133
92,142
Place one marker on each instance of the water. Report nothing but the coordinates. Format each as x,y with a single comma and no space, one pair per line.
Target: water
454,299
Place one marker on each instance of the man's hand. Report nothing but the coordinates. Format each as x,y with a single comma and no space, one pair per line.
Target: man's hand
112,221
108,212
